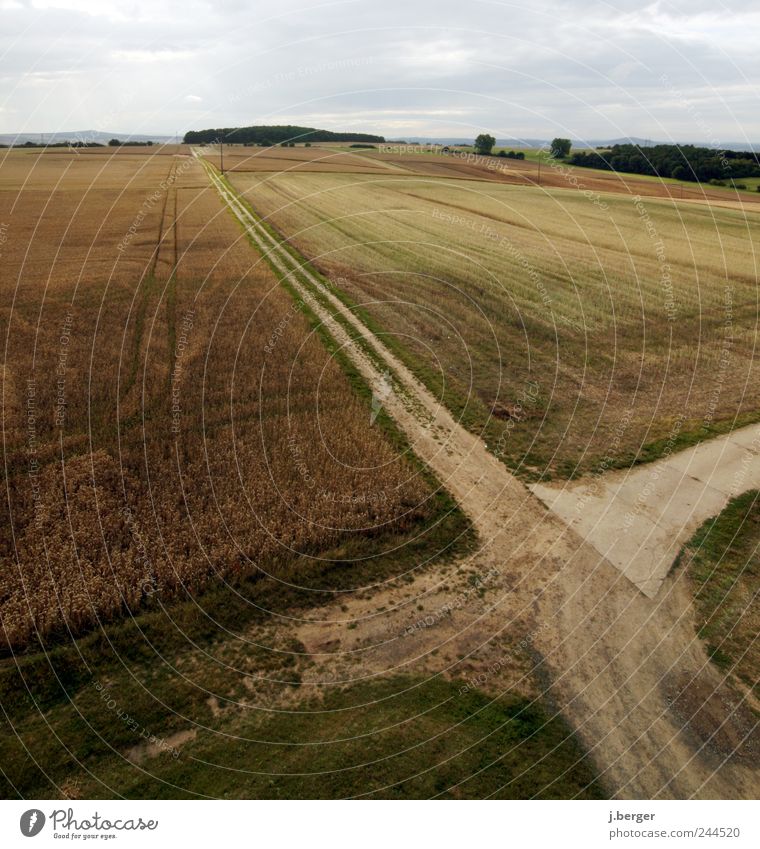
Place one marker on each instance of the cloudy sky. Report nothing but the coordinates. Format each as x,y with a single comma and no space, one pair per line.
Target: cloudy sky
682,70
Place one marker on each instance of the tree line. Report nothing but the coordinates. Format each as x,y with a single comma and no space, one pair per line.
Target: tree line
682,162
271,135
484,144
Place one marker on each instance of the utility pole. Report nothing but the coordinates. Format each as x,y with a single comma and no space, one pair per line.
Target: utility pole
539,167
221,153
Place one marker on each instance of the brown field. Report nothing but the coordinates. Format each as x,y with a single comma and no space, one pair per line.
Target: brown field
316,158
570,331
462,165
169,418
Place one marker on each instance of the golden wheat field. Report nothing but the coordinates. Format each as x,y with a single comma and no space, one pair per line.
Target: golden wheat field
170,418
571,328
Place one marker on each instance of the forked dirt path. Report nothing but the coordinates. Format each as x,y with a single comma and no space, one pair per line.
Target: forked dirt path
640,518
550,613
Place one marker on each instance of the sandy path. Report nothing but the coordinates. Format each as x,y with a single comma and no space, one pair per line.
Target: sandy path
640,518
626,671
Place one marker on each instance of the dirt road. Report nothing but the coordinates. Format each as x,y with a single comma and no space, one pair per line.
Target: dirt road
640,518
625,670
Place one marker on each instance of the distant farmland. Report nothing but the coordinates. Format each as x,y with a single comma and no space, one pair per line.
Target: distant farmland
573,329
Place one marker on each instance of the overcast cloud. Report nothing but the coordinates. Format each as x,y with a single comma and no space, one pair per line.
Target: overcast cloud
674,71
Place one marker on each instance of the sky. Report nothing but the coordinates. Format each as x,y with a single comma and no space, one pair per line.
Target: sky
671,71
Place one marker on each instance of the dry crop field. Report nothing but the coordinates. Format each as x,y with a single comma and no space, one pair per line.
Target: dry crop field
169,416
577,331
464,164
324,158
191,472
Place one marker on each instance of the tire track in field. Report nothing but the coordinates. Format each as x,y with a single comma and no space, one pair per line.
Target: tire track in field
146,286
162,230
171,292
614,661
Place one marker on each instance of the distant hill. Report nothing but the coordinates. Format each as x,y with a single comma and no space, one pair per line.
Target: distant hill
274,135
79,136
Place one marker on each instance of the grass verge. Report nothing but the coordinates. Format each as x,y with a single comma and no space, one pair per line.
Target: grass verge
723,564
396,738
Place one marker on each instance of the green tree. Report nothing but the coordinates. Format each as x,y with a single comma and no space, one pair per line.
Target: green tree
560,148
484,144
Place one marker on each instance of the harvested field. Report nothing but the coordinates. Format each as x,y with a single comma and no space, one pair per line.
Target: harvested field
466,165
575,333
316,158
170,418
